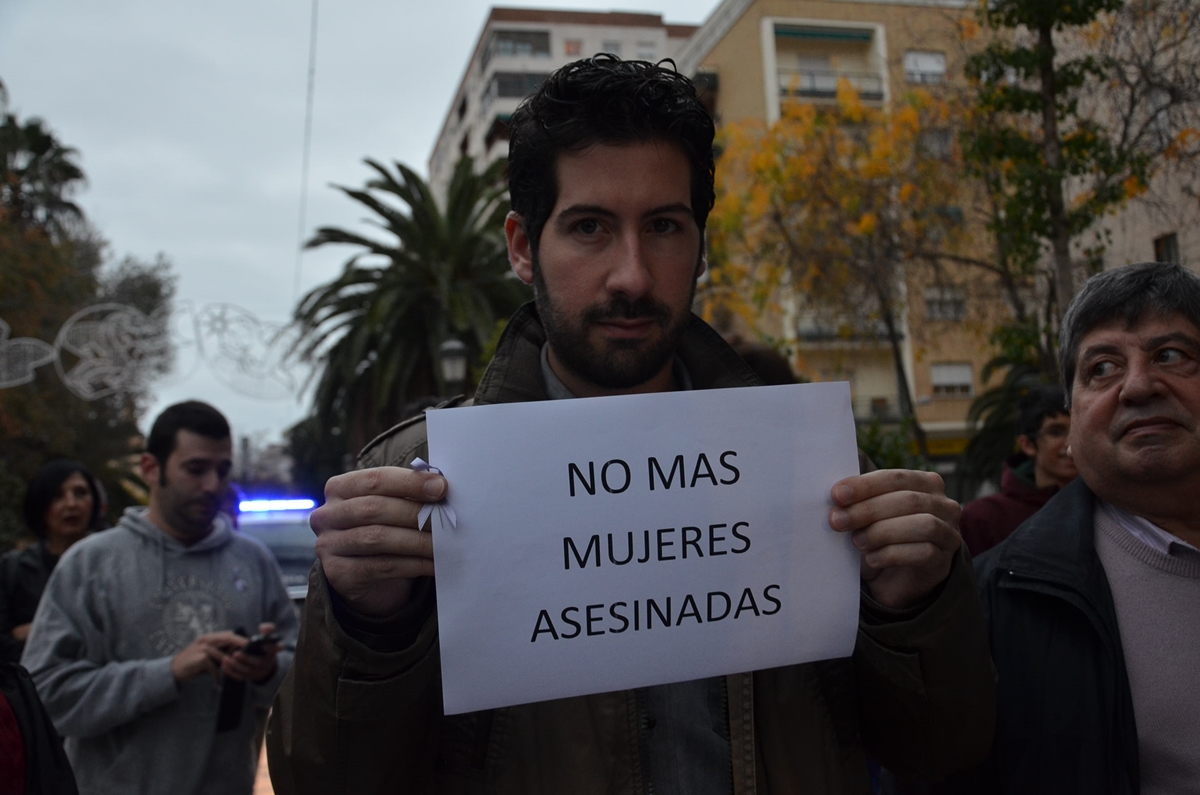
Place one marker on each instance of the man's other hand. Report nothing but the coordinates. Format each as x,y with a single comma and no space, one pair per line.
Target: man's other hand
367,536
256,668
204,655
906,527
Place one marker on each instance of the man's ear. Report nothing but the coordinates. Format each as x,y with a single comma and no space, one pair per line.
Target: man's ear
702,266
149,466
520,251
1027,446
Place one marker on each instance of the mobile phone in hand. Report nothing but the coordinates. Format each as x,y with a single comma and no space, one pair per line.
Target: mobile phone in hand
256,643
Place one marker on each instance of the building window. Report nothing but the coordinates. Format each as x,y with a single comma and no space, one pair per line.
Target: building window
573,47
1166,249
515,84
945,303
924,66
952,380
462,108
646,51
613,47
510,43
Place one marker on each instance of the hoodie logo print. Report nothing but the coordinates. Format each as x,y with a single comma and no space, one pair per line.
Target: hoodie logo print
190,607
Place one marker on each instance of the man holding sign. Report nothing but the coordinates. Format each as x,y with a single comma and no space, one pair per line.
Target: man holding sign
611,181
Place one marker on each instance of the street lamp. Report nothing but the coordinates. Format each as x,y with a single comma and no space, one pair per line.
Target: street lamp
452,361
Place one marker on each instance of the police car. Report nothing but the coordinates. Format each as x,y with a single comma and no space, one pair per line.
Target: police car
282,526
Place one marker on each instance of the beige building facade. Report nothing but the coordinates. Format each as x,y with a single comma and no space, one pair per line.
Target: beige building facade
755,55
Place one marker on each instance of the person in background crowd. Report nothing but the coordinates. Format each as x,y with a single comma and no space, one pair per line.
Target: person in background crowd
1092,603
134,649
32,760
1030,478
611,178
62,505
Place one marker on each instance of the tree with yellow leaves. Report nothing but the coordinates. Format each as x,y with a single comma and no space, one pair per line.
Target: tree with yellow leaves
828,206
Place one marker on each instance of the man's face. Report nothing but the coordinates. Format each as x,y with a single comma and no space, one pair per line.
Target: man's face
615,269
186,491
1052,461
1136,404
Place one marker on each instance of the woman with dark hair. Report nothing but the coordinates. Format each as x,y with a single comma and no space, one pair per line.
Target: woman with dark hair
62,505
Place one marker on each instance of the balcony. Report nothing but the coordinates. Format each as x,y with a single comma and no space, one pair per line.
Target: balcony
823,84
884,409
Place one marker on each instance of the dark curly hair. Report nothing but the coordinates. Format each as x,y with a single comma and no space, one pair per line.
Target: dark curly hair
43,490
1037,405
604,100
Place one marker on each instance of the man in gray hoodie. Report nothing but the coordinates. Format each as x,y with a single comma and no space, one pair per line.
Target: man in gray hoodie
136,646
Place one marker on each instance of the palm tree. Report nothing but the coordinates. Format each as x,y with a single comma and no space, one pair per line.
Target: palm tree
441,273
37,175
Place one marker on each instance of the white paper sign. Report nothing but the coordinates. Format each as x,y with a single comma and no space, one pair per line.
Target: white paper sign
611,543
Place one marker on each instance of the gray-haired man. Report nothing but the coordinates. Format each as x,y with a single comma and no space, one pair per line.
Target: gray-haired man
1092,602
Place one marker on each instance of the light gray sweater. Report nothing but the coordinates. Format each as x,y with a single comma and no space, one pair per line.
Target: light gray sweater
119,606
1157,598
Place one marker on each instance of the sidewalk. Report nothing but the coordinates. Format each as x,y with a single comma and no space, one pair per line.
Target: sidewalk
262,784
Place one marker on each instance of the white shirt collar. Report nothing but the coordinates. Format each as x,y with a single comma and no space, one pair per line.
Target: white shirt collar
1146,531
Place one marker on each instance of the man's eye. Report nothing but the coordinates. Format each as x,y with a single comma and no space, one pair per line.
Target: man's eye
663,226
588,226
1169,356
1102,369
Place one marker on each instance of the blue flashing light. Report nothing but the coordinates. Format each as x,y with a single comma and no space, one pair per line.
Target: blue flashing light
253,506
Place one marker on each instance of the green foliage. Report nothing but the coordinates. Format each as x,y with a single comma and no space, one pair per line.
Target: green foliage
38,174
890,446
50,267
441,273
317,452
994,412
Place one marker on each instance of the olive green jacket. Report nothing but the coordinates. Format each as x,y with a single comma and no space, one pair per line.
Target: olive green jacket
350,719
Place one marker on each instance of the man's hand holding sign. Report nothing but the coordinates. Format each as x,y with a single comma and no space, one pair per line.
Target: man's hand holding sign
367,536
906,528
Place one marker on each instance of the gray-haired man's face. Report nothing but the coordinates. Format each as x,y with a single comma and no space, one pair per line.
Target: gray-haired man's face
1135,413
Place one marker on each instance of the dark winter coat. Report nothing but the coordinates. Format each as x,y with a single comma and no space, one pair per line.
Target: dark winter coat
23,577
354,719
1066,721
47,771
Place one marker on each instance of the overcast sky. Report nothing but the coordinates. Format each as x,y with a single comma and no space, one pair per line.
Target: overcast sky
189,121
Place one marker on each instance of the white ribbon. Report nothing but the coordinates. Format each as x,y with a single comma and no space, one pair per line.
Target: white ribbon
445,512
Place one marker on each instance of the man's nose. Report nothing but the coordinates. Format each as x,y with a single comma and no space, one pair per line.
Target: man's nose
630,273
1141,382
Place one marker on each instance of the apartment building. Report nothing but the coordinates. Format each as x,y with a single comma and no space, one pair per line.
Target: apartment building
751,57
1163,226
515,52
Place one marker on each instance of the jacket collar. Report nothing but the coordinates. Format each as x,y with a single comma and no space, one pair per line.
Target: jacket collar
1058,544
515,374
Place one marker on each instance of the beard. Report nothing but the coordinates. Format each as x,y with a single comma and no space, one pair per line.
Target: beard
613,363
